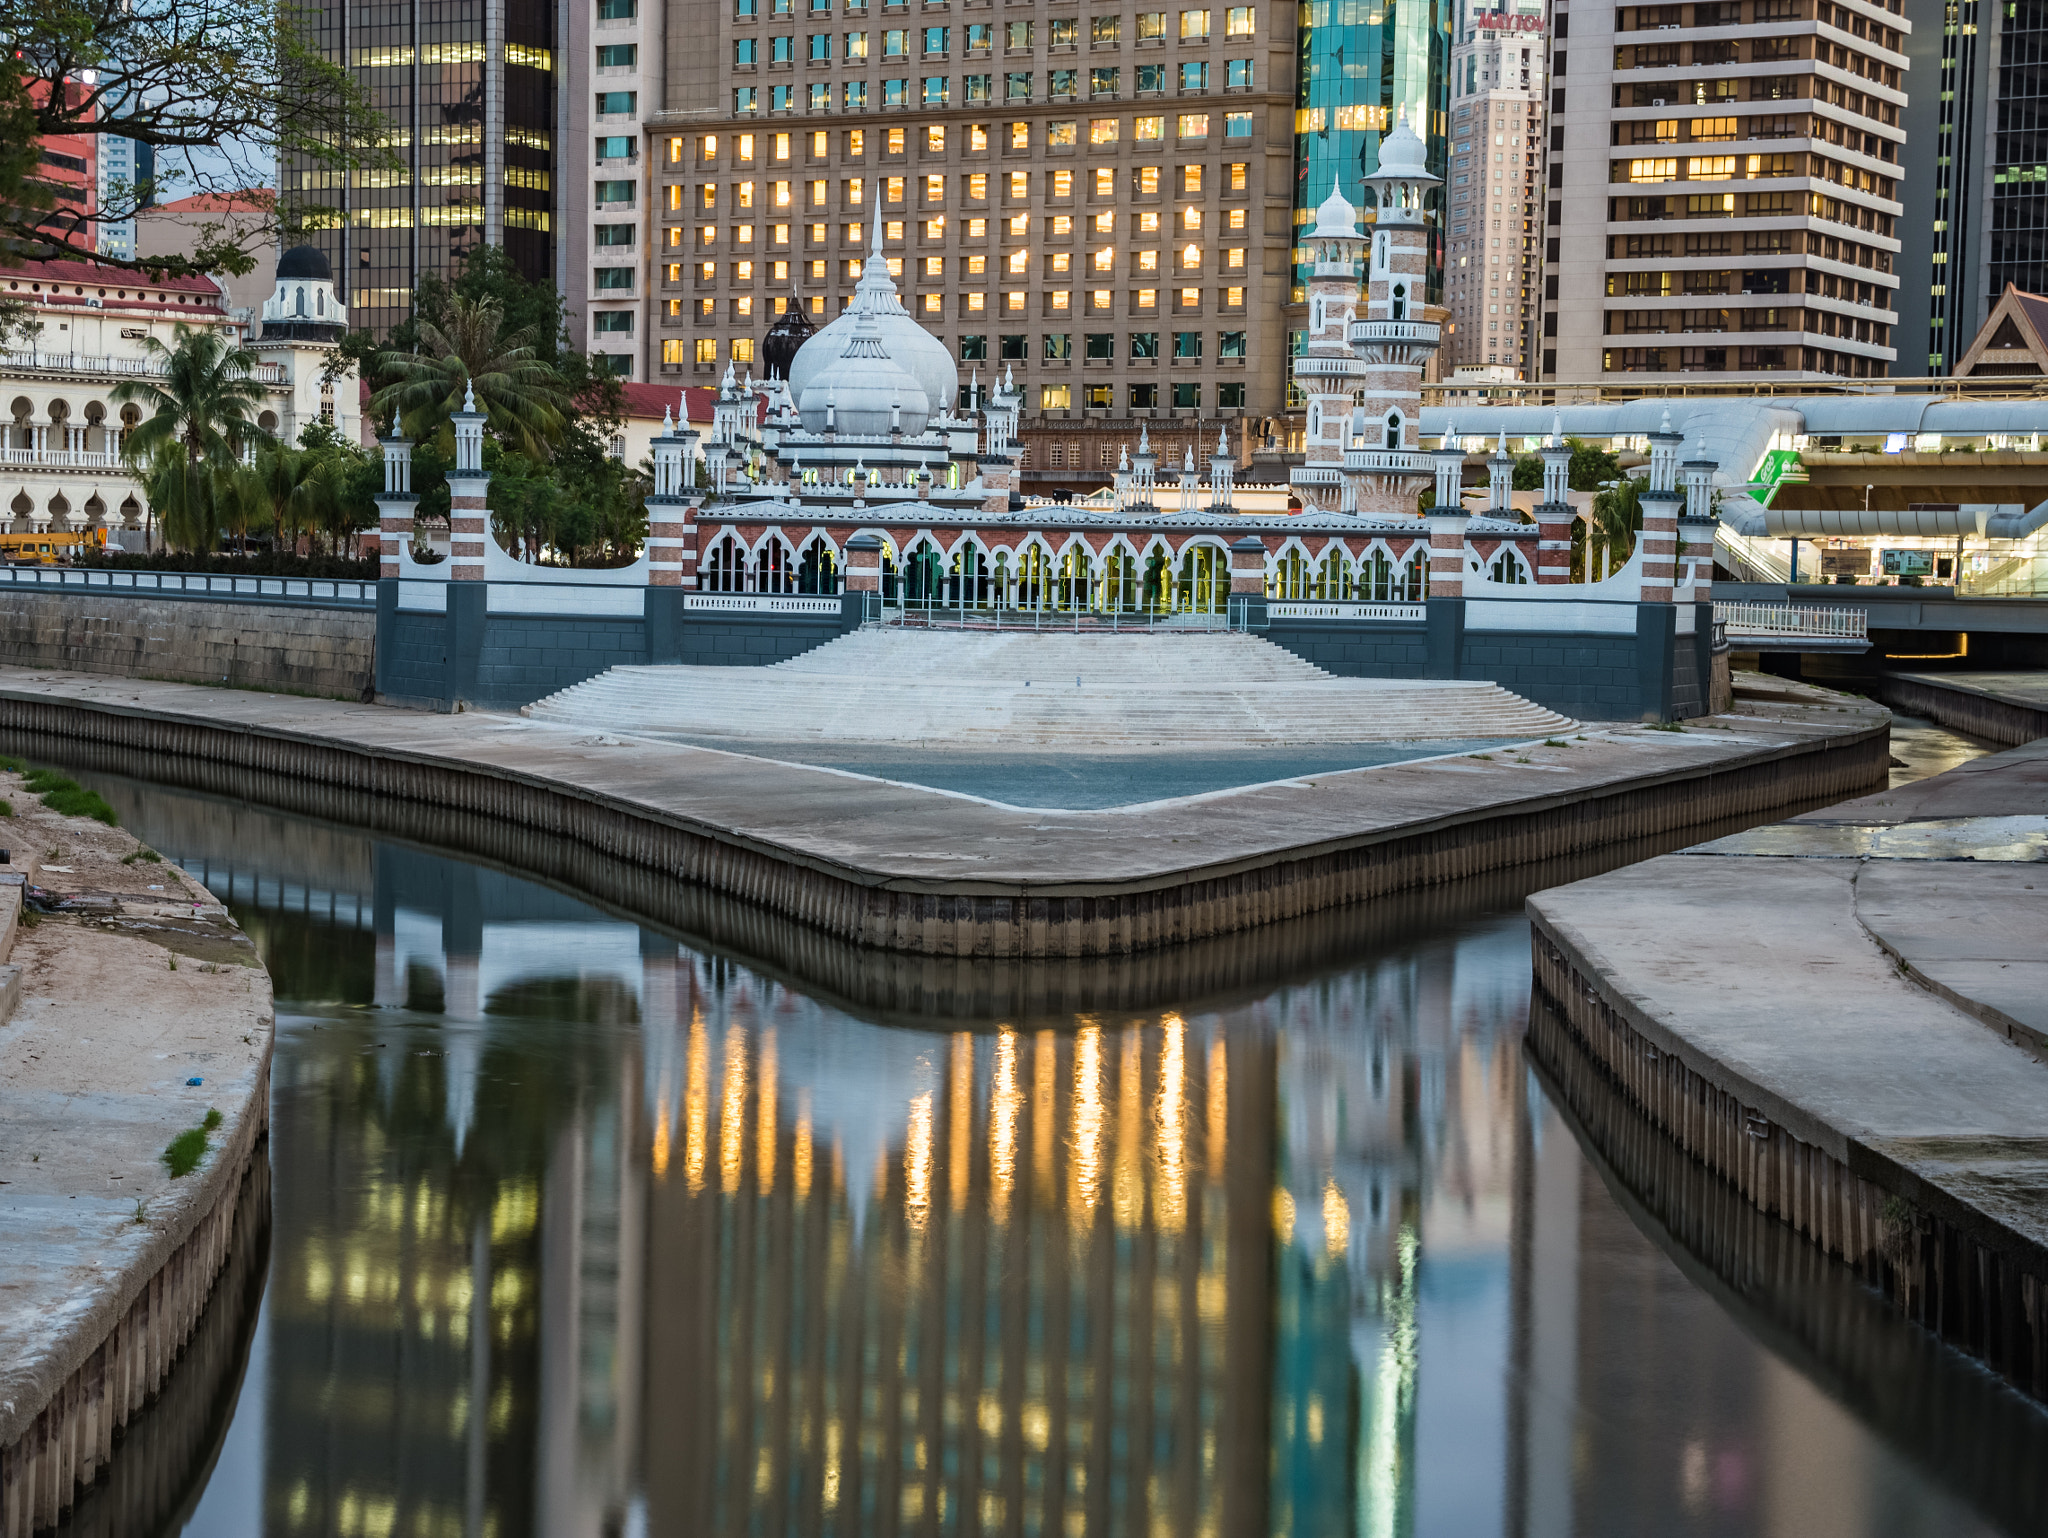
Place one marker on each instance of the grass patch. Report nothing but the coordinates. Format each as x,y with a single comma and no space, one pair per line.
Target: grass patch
1555,742
6,807
1667,726
1484,758
145,854
182,1157
212,1119
66,797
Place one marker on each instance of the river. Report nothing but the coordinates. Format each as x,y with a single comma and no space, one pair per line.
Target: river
587,1225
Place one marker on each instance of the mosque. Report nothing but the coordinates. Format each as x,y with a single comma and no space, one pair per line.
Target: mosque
859,472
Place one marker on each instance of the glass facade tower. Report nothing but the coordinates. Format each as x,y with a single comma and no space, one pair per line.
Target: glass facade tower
469,91
1363,62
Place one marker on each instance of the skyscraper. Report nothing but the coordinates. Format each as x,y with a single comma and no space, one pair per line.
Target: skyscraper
1724,189
469,90
1494,190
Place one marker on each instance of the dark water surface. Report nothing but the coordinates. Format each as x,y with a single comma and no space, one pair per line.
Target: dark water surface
586,1227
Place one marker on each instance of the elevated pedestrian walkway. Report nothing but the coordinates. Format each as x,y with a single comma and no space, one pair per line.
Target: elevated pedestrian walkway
1137,692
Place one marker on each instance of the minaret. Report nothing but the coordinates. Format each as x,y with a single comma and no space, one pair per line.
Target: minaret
469,484
670,501
1323,372
1393,342
1658,541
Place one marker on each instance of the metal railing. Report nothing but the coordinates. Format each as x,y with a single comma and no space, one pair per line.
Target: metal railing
318,592
1784,619
937,614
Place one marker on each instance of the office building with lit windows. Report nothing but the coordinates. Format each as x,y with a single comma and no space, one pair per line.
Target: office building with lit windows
1723,191
1973,139
1097,203
469,89
1493,197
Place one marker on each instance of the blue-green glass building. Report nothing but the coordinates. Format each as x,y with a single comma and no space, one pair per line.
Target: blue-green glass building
1362,63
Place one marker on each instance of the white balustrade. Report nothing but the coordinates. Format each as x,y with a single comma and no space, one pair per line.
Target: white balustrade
1784,619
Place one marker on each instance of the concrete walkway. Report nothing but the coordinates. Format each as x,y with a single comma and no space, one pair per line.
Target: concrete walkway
2007,707
899,836
138,1013
1836,975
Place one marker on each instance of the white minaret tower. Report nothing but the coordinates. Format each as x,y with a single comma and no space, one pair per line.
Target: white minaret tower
1393,342
1324,371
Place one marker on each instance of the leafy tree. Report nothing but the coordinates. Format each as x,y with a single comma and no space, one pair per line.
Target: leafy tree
1528,474
1617,519
242,503
1591,467
225,91
181,497
343,482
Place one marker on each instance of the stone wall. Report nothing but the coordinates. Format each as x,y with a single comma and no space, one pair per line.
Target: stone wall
287,647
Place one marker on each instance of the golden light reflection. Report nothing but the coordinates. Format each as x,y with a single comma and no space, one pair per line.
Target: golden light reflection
1170,1201
1045,1070
917,1163
1086,1177
765,1107
1004,1102
732,1113
1219,1107
800,1156
696,1103
960,1119
661,1137
1129,1190
1336,1220
1283,1216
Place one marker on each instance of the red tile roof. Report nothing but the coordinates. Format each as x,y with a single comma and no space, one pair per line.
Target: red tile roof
85,274
646,402
251,202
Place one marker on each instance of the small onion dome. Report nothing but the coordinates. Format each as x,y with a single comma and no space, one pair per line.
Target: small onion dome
791,330
305,262
1402,153
1336,219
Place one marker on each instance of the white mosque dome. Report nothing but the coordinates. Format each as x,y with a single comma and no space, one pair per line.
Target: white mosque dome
862,391
912,348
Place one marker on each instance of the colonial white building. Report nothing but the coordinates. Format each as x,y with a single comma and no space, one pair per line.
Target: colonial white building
87,330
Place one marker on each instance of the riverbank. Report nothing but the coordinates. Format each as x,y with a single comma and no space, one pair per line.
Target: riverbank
139,1040
907,867
2008,708
1842,1016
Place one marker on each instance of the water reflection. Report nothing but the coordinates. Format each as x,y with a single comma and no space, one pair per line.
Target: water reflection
580,1229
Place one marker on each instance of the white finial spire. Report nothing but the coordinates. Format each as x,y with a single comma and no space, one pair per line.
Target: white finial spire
1665,426
469,396
668,425
875,240
1144,438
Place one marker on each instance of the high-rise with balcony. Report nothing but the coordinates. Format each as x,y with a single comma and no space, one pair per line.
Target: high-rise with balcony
1096,200
469,90
1493,193
1723,191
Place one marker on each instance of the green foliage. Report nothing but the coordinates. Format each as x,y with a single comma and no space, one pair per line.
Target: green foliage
144,856
182,1157
67,798
1591,466
212,1120
188,446
241,82
1528,473
6,807
550,414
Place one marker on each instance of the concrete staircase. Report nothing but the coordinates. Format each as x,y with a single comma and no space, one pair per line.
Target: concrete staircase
996,690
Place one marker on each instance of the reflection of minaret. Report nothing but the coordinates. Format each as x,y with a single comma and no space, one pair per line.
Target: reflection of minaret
388,991
1544,1256
1056,1316
462,943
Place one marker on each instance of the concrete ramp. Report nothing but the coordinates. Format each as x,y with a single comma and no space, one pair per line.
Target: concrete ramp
1101,693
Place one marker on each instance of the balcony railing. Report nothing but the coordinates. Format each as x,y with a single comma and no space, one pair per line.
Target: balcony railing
133,368
1394,331
60,459
1389,462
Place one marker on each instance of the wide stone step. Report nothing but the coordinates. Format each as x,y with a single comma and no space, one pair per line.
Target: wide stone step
1021,691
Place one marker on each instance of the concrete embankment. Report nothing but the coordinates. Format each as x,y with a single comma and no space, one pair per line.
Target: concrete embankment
2010,708
299,648
140,1011
1840,1015
902,867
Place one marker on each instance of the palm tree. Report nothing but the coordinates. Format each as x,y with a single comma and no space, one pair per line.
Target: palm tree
1617,518
204,409
523,398
290,488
